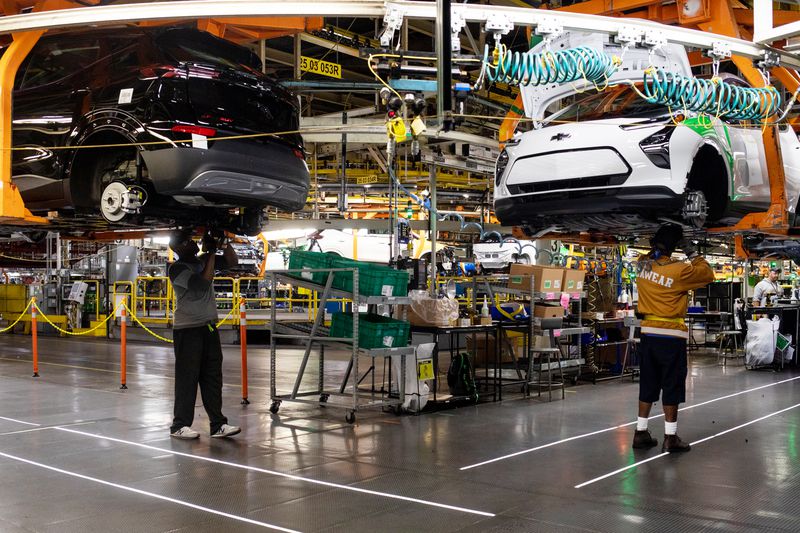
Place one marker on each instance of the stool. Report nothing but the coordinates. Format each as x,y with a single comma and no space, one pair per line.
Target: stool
725,350
545,357
631,347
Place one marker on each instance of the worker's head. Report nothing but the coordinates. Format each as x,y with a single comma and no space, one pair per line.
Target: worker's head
774,274
666,239
180,241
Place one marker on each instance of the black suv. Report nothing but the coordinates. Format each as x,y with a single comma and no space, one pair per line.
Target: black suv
152,109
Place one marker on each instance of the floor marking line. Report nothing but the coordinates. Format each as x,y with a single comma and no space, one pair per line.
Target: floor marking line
41,428
149,494
740,426
620,426
18,421
623,469
282,474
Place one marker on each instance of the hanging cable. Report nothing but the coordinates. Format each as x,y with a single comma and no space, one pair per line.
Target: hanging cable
562,66
714,97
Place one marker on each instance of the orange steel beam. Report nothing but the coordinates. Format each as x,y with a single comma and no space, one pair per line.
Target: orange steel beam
775,220
779,17
608,7
12,208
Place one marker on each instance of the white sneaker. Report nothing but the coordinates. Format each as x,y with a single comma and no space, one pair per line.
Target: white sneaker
185,433
226,431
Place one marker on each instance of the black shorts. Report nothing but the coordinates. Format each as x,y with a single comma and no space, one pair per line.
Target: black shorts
662,366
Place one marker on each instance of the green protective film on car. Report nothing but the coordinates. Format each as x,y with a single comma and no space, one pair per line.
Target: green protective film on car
704,126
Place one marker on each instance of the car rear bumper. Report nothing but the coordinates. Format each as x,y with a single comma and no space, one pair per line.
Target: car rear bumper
533,208
238,172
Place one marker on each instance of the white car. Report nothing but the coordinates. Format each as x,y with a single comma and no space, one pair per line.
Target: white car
626,165
499,255
365,246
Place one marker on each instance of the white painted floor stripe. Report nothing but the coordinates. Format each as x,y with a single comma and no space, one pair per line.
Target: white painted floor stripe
620,426
149,494
42,428
281,474
634,465
19,421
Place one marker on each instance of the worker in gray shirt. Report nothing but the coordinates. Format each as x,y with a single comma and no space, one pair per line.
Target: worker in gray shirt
767,288
198,353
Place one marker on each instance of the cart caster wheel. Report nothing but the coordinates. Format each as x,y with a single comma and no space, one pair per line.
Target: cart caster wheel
350,417
274,407
323,398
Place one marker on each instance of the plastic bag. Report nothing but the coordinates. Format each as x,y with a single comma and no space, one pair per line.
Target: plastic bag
416,390
434,311
762,337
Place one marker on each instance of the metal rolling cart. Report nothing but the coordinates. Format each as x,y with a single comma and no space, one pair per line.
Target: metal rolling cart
532,326
315,332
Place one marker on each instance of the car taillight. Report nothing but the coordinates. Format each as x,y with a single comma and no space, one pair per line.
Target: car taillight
500,167
196,130
299,153
656,147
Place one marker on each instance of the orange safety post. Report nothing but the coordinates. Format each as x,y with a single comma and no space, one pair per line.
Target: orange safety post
243,344
123,349
35,337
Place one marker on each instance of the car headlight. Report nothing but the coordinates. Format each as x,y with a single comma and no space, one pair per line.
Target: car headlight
500,166
656,147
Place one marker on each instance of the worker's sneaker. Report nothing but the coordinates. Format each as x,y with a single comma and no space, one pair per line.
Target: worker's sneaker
226,431
185,433
674,444
643,439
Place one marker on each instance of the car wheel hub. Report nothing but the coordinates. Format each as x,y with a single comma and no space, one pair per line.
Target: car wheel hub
118,200
695,210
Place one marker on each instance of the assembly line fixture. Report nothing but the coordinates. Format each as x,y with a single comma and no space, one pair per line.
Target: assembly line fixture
316,334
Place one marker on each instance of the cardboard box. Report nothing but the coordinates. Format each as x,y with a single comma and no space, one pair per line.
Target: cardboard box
573,280
546,279
483,356
548,311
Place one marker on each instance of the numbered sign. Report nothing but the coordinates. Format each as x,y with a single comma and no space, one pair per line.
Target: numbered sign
317,66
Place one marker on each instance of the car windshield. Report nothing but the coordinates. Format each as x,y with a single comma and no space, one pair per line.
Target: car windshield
616,103
195,46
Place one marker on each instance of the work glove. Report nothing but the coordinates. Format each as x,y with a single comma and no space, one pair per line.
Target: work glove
689,248
209,243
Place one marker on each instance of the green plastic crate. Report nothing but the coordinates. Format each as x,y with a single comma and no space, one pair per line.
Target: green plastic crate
301,259
373,280
374,331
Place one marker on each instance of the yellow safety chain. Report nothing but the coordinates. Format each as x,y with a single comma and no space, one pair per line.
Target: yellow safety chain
66,332
148,330
24,312
234,307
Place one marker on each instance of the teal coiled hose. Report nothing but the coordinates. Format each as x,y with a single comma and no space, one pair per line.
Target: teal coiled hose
562,66
712,96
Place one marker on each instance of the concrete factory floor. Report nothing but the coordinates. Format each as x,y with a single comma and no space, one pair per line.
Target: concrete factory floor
78,454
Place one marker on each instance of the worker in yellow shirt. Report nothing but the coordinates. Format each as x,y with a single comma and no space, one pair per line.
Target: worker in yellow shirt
664,284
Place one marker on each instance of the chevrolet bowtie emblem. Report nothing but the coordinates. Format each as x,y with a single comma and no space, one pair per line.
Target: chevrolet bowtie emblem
560,136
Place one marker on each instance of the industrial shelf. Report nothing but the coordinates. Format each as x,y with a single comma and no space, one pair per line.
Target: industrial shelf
338,293
315,333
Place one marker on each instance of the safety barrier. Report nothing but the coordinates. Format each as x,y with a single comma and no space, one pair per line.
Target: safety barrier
125,312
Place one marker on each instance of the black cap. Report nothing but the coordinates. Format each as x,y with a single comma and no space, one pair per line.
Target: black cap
667,237
776,269
179,236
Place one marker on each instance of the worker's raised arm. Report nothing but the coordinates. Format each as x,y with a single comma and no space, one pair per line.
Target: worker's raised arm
697,273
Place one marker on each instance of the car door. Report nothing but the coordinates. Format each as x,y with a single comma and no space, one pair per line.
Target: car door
51,91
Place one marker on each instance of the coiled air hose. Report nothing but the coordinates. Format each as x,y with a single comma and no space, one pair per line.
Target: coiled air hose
711,96
562,66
